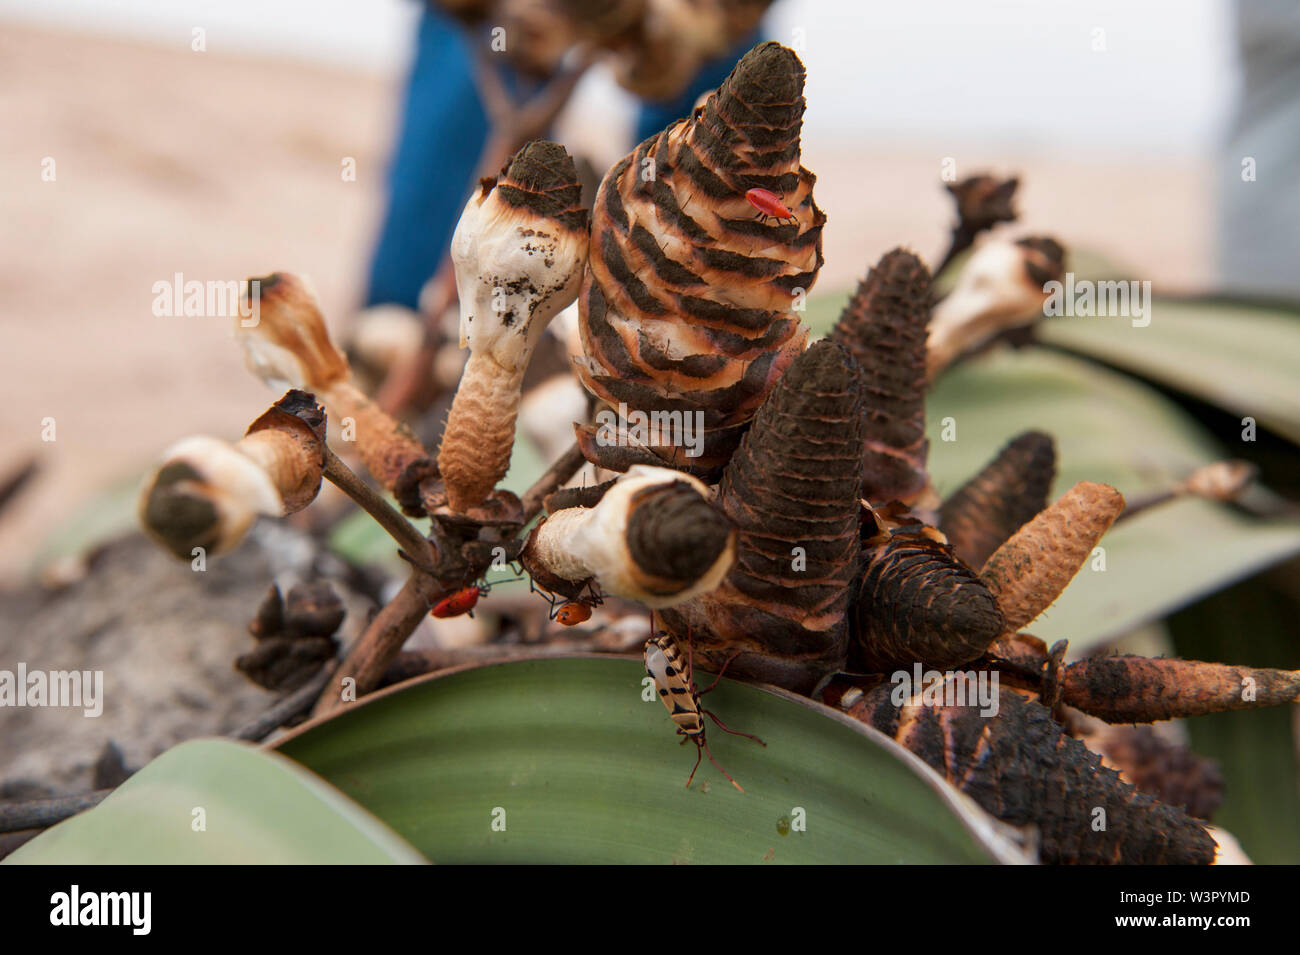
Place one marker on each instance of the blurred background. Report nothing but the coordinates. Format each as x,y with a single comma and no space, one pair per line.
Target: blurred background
226,163
230,138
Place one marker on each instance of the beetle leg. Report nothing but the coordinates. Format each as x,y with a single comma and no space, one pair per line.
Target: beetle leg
698,752
705,746
726,664
726,729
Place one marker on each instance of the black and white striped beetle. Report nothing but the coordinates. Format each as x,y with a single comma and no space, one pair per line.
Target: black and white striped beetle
676,686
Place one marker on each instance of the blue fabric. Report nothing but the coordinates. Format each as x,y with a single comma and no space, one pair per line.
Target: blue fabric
443,130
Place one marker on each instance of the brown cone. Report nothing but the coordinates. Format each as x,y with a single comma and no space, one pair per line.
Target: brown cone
688,300
792,490
884,328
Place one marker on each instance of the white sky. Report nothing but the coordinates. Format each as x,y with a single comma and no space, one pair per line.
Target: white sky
1022,71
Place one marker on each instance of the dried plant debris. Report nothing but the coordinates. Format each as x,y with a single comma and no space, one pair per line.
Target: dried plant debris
1000,288
290,346
294,636
1218,481
984,512
1033,567
688,304
983,202
1163,769
655,47
792,489
207,493
884,328
519,251
916,602
1021,767
660,55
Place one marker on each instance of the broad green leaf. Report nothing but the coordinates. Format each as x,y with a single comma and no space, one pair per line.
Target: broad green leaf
1242,358
578,766
1253,624
258,807
1112,429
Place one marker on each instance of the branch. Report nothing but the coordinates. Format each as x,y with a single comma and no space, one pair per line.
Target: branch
383,638
292,705
414,544
42,813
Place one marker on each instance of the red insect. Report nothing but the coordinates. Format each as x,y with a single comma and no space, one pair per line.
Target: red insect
573,612
769,205
459,602
463,600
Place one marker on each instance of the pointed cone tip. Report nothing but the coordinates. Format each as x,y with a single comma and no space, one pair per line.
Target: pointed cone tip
541,166
769,73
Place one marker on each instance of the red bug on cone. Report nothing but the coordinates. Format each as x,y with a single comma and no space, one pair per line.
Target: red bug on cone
769,206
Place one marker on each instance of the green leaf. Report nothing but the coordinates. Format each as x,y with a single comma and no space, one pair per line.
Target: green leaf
258,808
1241,358
581,768
110,513
1112,429
1251,624
364,543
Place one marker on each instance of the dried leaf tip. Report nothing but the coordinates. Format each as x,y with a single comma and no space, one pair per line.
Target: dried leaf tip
983,201
207,492
884,328
518,251
1000,288
287,345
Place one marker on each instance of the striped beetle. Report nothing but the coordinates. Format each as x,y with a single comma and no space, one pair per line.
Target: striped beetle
677,689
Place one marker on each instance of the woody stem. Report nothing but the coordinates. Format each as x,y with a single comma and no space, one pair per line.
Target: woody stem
414,544
383,638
